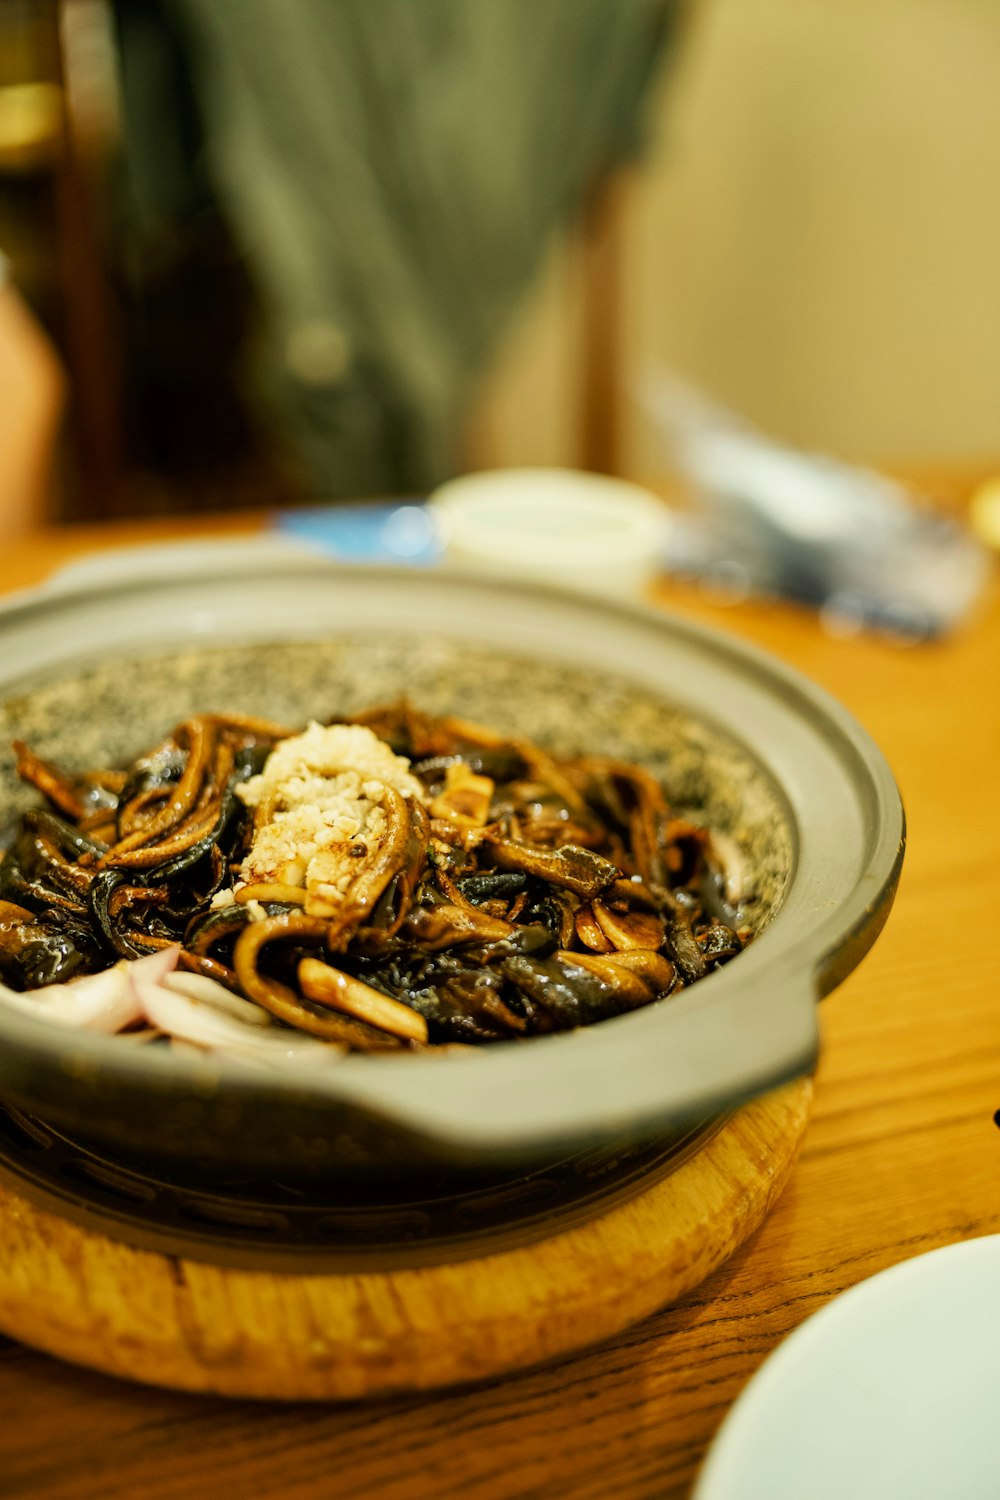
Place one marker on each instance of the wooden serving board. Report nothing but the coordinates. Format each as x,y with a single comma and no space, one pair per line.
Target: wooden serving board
170,1321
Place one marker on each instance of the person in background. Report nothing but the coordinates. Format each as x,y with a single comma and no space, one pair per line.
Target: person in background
391,176
31,401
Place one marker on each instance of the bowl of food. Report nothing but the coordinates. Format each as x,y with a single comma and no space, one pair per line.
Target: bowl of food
342,870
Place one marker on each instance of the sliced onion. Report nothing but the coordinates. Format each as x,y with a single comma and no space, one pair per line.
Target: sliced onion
154,967
199,987
205,1015
191,1020
99,1002
196,1013
105,1002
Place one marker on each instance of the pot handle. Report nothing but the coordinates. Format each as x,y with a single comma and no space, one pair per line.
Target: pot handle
697,1056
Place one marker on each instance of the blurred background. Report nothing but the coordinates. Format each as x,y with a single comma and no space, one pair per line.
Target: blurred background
294,251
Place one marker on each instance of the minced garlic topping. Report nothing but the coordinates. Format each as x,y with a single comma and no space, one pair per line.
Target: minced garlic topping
319,808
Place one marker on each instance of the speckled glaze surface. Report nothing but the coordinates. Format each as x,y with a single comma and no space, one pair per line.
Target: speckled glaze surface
106,714
95,675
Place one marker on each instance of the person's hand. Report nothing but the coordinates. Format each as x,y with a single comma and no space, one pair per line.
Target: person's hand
31,399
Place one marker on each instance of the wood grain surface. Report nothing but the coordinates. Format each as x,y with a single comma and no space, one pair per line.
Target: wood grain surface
902,1155
174,1322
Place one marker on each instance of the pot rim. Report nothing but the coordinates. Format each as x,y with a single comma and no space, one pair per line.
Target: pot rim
746,1028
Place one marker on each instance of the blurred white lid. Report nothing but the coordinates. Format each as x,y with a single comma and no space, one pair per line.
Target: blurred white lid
571,528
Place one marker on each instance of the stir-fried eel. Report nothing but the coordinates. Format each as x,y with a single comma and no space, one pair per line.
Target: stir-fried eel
504,893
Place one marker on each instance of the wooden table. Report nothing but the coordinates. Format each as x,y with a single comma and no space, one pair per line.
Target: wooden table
903,1155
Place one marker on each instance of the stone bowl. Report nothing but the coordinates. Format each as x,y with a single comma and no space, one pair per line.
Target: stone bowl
92,676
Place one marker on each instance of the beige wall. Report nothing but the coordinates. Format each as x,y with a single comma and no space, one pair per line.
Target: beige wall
815,236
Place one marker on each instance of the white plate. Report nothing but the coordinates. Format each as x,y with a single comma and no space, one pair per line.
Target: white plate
891,1392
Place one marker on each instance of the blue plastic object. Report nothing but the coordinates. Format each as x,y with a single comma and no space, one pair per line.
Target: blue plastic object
397,531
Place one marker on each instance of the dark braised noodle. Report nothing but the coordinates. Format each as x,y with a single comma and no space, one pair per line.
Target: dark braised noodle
520,895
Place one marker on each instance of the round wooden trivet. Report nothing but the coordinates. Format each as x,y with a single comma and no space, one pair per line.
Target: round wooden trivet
177,1322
